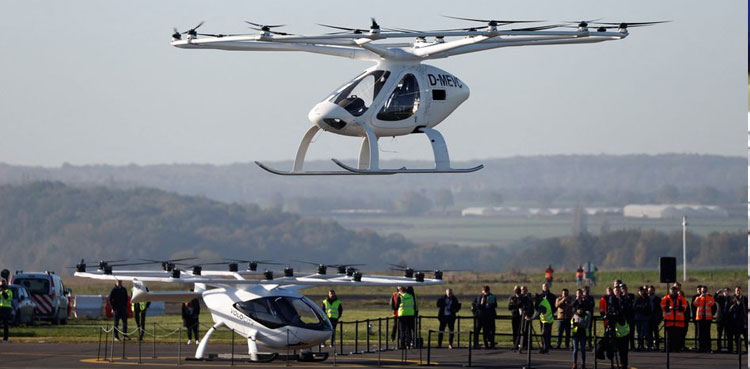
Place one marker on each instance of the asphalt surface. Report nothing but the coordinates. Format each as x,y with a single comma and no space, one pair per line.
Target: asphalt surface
55,355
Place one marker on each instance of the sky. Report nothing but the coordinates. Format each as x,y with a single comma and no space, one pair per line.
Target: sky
91,82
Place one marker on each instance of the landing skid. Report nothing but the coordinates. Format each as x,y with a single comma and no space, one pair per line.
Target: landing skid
313,172
369,158
405,170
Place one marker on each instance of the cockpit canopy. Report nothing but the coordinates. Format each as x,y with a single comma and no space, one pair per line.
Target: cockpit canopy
357,95
279,311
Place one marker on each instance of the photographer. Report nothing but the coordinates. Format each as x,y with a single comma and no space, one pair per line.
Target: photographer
6,303
515,305
564,306
527,318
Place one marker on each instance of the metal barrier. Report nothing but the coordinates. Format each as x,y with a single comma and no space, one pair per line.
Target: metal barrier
108,347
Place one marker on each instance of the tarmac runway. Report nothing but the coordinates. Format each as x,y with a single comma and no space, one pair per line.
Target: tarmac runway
56,355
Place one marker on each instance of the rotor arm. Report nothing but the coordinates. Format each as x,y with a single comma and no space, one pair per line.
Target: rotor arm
340,51
528,41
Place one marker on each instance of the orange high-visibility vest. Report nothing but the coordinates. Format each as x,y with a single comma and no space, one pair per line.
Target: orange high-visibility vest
673,317
579,273
704,307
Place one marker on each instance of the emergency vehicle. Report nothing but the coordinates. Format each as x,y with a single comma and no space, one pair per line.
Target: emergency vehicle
49,294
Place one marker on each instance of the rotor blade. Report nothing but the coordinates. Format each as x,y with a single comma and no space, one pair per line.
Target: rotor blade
265,25
498,21
633,24
342,28
194,28
539,28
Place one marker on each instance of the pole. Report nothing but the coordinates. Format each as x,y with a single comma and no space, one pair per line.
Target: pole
153,348
458,333
123,344
231,359
356,336
429,344
593,324
684,248
471,335
106,344
98,350
179,345
140,358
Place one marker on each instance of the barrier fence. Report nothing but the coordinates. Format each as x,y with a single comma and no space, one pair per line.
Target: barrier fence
355,330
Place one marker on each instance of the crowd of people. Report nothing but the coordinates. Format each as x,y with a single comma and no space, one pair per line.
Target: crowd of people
118,302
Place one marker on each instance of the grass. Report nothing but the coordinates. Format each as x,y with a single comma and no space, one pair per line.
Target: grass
479,231
372,302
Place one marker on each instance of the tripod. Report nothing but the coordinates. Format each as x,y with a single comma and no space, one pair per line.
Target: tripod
609,333
527,332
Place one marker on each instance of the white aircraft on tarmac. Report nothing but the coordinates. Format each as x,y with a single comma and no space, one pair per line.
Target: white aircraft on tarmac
269,312
398,95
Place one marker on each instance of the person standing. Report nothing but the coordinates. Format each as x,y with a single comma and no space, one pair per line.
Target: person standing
693,308
6,306
118,301
722,311
656,318
334,309
674,306
588,307
626,303
603,305
191,312
394,308
546,318
548,275
642,315
448,306
515,305
579,326
622,339
564,306
527,318
738,319
484,309
139,315
579,276
705,308
406,313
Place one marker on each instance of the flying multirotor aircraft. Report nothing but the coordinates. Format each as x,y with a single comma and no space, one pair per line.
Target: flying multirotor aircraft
398,95
270,312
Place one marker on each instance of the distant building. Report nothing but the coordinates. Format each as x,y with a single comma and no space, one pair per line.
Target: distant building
658,211
513,211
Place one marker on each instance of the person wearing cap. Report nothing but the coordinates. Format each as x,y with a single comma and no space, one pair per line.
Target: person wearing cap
642,315
674,306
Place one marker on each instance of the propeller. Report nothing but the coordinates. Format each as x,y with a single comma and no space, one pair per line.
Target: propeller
252,265
340,268
625,25
167,265
192,32
374,28
582,23
268,28
493,22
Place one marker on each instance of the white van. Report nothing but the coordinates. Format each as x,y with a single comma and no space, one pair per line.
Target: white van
49,294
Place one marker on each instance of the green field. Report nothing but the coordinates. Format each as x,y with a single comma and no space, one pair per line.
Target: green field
502,230
371,303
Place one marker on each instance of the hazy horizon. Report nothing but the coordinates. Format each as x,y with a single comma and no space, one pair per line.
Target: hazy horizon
89,83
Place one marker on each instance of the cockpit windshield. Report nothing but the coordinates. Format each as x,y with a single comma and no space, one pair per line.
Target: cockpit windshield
278,311
357,96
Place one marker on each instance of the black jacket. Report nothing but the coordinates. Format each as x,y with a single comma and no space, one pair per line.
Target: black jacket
515,305
486,309
118,299
455,306
192,310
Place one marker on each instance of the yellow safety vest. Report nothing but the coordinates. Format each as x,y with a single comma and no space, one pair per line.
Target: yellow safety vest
406,308
622,330
585,320
547,317
142,305
6,302
332,308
